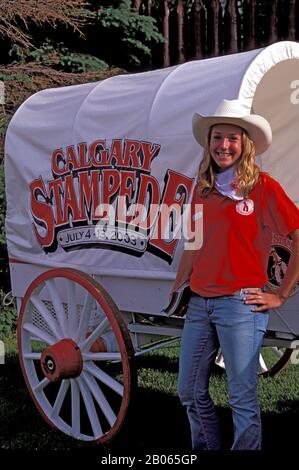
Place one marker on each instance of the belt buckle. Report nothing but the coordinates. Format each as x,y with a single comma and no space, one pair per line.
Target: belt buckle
257,289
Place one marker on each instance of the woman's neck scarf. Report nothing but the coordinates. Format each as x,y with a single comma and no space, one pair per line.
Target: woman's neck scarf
224,183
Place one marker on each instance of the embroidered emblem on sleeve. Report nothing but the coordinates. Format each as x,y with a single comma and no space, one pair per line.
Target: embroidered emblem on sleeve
245,207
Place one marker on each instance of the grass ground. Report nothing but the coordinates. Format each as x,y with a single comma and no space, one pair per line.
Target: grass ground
158,422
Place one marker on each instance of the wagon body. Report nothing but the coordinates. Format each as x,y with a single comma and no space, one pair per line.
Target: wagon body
73,152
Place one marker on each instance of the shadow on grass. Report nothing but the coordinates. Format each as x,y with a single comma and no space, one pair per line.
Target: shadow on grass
158,422
166,364
158,362
280,430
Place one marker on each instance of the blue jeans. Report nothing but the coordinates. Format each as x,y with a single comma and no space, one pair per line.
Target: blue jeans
227,321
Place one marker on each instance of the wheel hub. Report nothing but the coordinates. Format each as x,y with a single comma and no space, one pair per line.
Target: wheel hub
62,360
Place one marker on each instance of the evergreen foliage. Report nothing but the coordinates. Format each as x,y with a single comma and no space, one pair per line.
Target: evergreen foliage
8,317
129,34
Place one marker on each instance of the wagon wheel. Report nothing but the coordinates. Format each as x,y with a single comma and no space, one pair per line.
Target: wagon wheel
272,360
76,355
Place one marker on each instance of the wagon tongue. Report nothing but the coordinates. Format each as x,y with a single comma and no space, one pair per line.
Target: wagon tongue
62,360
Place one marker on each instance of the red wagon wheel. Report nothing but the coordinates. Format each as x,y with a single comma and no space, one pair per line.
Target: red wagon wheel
76,355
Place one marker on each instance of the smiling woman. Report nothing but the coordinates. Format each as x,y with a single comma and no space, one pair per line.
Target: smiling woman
225,145
227,276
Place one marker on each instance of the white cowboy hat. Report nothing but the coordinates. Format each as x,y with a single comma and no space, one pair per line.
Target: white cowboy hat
234,112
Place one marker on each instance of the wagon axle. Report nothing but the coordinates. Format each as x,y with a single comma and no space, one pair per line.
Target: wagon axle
62,360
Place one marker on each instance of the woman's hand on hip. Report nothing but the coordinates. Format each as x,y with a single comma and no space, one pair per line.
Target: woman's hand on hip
262,300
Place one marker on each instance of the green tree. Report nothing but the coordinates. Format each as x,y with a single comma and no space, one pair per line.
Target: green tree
129,35
59,57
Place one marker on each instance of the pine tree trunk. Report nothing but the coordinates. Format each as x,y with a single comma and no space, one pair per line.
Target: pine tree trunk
197,38
180,21
149,12
231,6
273,23
292,23
249,20
166,57
215,7
137,4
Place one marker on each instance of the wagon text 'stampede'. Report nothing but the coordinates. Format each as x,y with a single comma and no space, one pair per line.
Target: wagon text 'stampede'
88,179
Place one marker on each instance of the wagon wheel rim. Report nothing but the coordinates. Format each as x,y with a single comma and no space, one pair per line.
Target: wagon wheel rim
68,373
281,359
266,369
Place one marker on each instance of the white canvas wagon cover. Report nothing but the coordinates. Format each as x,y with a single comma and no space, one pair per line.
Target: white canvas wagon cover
70,149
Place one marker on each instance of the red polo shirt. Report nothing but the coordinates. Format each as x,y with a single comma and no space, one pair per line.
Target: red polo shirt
237,237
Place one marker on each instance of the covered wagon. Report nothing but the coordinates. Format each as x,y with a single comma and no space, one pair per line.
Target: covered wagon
92,276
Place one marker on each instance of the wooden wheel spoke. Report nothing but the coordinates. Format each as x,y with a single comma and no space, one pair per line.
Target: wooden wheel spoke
58,306
87,343
76,415
72,309
32,356
41,385
263,366
47,317
105,356
38,334
85,317
100,398
60,397
104,378
90,408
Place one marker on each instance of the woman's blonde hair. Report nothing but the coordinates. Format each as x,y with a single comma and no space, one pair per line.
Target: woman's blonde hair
247,171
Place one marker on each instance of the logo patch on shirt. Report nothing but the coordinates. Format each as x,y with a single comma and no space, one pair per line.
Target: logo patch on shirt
245,207
279,256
